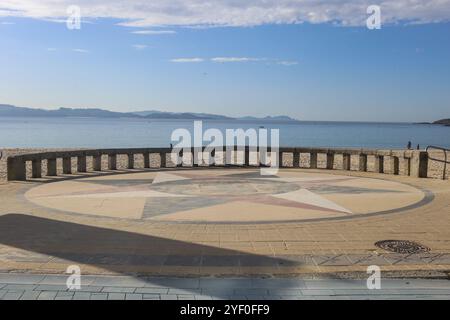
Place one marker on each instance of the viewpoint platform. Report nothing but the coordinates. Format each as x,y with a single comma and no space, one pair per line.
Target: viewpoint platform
200,222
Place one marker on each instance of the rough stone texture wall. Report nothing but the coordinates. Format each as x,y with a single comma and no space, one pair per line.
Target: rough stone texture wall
435,168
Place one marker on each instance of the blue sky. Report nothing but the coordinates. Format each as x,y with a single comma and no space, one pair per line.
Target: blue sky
310,71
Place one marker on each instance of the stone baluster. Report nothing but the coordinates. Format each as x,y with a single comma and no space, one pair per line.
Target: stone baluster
395,165
67,165
363,162
296,160
130,161
81,164
97,162
330,160
51,168
146,160
112,162
313,160
163,160
36,168
346,161
379,164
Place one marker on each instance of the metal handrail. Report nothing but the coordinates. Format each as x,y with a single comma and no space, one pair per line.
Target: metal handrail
445,161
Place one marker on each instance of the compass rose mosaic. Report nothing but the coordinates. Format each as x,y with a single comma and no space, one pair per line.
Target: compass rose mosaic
226,196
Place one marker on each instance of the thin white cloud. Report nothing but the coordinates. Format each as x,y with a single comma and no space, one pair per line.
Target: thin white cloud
7,23
80,50
156,13
154,32
140,46
187,60
235,59
288,63
52,49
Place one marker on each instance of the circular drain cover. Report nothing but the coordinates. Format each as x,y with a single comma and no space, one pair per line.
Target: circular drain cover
402,246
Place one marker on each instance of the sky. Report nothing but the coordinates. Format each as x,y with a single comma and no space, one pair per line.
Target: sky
311,60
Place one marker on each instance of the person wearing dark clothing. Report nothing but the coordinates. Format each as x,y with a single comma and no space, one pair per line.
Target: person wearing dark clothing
409,145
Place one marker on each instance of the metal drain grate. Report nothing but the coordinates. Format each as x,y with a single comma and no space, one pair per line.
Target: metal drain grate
402,246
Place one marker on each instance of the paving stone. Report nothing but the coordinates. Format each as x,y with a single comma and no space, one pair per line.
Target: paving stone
116,296
443,259
82,296
203,297
184,261
49,287
185,297
168,297
23,287
317,292
152,290
258,261
65,294
151,297
90,289
220,261
2,293
47,295
133,296
368,260
179,283
232,297
255,297
64,298
10,295
248,291
30,295
340,260
336,284
54,280
119,289
185,291
218,293
278,283
99,296
6,278
225,283
284,292
118,281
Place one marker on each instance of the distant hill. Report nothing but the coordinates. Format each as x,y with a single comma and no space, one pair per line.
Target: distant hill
187,115
268,118
13,111
445,122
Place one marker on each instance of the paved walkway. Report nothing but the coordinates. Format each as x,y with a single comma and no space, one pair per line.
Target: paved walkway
223,222
53,287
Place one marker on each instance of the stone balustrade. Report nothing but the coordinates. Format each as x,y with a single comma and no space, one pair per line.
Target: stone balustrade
416,162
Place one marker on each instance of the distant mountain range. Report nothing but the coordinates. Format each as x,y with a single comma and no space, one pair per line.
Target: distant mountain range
13,111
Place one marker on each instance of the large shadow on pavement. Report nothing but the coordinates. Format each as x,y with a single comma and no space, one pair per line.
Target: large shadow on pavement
120,251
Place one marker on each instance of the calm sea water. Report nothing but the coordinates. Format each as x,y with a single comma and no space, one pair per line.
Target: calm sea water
130,133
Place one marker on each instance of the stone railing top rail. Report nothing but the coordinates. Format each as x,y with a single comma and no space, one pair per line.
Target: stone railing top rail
125,151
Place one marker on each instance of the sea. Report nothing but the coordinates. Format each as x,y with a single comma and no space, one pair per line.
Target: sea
136,133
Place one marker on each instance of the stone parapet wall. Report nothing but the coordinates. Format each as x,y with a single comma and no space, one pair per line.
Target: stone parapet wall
23,165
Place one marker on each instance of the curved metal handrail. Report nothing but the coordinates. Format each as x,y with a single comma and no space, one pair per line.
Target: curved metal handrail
445,161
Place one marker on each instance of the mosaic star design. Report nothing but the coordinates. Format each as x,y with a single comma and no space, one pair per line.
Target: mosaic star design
229,195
